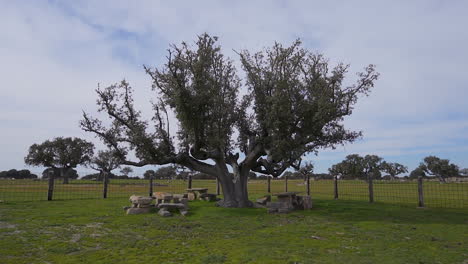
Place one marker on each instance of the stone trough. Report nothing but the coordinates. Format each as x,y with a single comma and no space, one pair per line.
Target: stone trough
287,202
140,205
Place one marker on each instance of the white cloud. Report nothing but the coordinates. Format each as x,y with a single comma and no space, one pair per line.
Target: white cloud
54,54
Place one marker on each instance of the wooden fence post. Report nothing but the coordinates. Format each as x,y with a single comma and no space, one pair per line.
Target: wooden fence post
269,184
50,190
106,182
189,185
371,190
335,181
420,192
286,183
151,186
217,187
308,185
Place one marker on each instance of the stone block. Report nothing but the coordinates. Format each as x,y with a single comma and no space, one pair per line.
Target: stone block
272,210
140,200
191,196
133,210
278,205
164,212
264,200
210,197
184,201
306,202
171,206
284,210
183,212
162,195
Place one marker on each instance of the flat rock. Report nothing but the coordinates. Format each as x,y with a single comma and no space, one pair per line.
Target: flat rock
284,210
183,212
164,213
180,196
272,210
172,205
264,200
162,195
197,190
257,205
133,210
208,197
191,196
278,205
140,199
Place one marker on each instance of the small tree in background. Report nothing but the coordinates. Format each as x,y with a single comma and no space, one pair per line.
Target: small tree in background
372,165
149,174
60,153
393,169
166,172
306,170
126,171
440,168
464,172
416,173
105,162
350,168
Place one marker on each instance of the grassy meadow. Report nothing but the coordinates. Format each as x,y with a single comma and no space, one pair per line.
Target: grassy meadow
98,231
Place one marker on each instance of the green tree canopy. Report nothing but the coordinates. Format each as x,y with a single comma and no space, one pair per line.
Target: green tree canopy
295,104
393,169
440,168
60,153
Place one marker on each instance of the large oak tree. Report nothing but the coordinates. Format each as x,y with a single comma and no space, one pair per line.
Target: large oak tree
293,104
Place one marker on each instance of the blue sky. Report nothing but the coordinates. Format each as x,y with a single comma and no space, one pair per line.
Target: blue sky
54,53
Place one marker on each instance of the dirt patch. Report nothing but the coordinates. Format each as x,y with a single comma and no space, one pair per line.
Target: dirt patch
6,225
75,238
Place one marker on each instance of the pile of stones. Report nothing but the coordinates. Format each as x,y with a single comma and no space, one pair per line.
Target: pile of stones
287,203
200,194
165,202
140,205
165,206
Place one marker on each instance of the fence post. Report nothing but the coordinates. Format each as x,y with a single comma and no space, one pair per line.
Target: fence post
308,184
217,186
371,190
106,182
189,185
286,183
151,186
50,190
420,192
335,183
269,184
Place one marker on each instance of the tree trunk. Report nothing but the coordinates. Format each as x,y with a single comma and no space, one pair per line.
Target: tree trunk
64,175
442,179
235,191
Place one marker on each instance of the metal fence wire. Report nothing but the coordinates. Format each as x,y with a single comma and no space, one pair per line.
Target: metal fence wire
429,193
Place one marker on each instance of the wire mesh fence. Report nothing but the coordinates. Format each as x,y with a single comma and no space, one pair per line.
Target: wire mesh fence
434,194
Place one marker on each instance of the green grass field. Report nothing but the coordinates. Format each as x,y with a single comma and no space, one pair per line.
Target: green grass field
98,231
450,195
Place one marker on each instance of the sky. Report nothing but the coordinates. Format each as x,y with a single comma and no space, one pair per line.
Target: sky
53,54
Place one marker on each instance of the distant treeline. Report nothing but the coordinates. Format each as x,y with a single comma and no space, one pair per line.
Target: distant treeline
17,174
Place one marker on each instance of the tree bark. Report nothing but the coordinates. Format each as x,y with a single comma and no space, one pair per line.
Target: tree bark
235,193
64,175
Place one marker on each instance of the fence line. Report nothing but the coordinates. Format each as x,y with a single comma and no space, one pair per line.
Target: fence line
421,192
